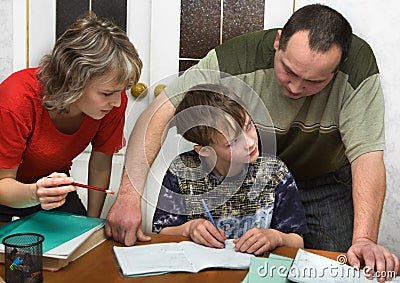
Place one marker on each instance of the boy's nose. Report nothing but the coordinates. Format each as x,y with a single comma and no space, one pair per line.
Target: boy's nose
249,141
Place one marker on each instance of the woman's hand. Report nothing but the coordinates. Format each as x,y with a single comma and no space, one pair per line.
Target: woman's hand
52,191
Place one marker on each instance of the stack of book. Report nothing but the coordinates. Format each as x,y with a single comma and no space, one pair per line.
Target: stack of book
66,236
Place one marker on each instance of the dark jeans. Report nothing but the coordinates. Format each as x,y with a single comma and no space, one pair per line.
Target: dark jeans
73,204
328,205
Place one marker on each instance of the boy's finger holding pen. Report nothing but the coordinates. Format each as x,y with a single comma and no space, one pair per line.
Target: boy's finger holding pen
203,232
221,235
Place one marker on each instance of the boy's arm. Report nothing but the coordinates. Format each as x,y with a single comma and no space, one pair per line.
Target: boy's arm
259,240
170,210
170,216
288,212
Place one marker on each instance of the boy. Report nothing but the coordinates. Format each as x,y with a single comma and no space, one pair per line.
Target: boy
253,198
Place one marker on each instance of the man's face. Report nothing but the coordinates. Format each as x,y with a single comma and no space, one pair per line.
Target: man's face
301,72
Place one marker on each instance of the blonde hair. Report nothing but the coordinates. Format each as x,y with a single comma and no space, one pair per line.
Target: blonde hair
88,49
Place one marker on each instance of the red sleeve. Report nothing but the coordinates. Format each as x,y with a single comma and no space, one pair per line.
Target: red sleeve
110,137
16,110
14,135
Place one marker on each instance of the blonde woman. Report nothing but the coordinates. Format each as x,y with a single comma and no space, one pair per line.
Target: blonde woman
51,113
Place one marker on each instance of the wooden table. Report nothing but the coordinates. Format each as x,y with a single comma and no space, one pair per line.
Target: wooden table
100,265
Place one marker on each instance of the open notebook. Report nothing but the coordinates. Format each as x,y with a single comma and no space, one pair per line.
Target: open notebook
66,236
177,257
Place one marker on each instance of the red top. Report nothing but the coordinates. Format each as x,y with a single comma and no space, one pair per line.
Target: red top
29,139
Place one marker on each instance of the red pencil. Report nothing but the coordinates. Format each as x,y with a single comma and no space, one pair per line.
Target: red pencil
92,188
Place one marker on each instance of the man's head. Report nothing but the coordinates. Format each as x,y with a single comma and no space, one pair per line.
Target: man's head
309,49
212,117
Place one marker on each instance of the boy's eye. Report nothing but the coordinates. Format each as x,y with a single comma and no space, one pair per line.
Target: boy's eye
249,126
232,142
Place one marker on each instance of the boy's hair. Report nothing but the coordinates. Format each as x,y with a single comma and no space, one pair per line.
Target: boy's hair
326,28
87,50
207,111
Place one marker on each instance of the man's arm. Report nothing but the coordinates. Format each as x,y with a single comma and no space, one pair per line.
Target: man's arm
369,187
124,219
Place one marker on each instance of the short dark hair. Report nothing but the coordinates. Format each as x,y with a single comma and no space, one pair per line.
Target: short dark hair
204,112
326,27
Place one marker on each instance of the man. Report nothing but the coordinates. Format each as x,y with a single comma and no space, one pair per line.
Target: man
321,86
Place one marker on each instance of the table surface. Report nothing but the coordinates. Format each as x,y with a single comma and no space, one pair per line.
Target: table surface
100,265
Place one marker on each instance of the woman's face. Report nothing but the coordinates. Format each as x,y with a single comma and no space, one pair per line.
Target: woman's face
99,97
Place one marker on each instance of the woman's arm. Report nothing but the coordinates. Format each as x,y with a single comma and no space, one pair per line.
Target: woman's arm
16,194
99,176
48,192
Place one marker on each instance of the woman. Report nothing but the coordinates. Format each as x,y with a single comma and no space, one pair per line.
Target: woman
50,114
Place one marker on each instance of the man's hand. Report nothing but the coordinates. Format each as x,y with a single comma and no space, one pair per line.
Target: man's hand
124,220
374,257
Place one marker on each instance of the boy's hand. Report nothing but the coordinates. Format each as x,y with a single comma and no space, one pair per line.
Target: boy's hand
258,241
203,232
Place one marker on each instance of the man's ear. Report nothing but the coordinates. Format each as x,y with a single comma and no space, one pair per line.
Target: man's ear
277,38
202,150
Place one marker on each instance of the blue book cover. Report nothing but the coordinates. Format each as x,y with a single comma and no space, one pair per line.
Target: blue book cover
56,227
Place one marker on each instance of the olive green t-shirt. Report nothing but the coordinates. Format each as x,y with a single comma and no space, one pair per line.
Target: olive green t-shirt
313,135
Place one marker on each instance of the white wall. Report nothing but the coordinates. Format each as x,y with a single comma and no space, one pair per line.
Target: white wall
6,38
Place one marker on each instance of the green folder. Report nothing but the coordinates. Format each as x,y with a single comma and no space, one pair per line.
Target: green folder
56,227
272,269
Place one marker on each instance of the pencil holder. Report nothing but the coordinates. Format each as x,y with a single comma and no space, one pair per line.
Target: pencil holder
23,258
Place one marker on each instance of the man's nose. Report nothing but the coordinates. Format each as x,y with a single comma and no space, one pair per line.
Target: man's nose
296,86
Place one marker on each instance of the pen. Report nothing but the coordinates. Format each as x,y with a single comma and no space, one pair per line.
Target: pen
92,188
210,216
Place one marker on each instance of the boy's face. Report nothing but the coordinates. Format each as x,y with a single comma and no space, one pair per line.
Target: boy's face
237,149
